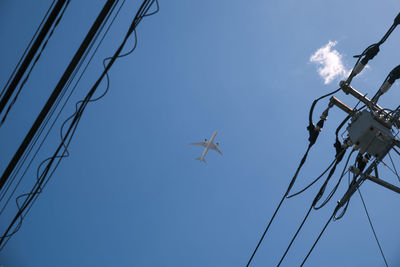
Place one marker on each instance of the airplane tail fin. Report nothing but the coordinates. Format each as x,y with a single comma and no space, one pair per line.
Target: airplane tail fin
201,159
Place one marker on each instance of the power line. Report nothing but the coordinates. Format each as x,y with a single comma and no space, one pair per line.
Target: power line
34,64
372,227
26,49
32,51
295,235
49,104
313,135
32,196
394,167
55,106
314,181
42,127
64,79
319,236
313,205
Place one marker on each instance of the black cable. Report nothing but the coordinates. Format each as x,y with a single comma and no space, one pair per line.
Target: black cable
34,64
265,231
319,236
371,51
67,86
71,130
295,235
313,205
395,170
313,182
394,25
341,125
56,92
49,116
280,203
22,69
313,135
353,184
315,102
372,227
26,49
55,107
340,151
395,150
323,187
343,212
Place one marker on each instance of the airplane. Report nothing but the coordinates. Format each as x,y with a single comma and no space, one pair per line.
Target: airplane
208,145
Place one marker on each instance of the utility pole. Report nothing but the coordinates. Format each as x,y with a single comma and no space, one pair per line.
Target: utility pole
370,130
370,133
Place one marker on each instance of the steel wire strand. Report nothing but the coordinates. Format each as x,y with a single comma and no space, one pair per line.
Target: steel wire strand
372,227
313,136
322,190
26,49
318,238
53,110
58,101
74,123
33,65
30,147
279,205
394,167
316,199
295,235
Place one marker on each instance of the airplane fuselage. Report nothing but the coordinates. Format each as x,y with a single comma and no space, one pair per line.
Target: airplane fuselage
211,141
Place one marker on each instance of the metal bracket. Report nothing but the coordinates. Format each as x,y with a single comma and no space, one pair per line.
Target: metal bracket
375,179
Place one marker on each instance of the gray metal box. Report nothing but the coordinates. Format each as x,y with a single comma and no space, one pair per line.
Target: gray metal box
370,135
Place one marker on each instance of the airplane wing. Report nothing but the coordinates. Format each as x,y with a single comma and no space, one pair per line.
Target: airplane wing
215,147
204,144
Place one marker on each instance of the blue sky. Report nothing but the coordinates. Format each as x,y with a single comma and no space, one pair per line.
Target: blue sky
131,193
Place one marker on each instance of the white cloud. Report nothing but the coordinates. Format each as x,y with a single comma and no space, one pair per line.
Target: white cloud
330,63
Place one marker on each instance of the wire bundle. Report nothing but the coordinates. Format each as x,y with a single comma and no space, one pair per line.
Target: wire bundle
49,165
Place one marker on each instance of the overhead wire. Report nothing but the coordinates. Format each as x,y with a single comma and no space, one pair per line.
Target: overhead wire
371,51
354,185
57,103
394,167
34,63
338,206
26,49
361,162
339,155
332,167
313,204
314,181
43,126
20,163
333,191
41,130
295,235
32,196
21,71
313,135
372,227
316,241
